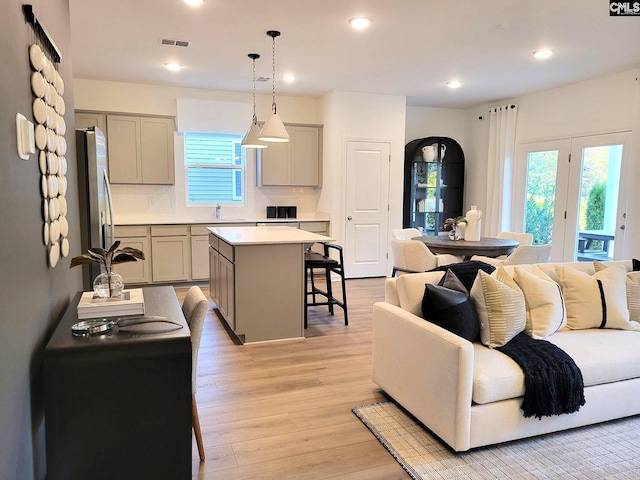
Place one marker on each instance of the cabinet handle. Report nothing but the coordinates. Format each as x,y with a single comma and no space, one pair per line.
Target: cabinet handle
349,217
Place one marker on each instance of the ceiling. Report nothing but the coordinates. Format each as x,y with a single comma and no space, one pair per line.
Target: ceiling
412,48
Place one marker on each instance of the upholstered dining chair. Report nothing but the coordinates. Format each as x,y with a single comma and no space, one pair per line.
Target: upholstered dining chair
525,254
195,307
405,233
412,256
522,238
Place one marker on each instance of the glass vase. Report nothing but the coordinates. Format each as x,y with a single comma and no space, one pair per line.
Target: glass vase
108,284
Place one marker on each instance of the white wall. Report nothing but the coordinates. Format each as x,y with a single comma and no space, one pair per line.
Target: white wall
430,122
166,203
601,105
364,117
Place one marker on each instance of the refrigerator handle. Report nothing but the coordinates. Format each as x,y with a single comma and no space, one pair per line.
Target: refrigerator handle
109,224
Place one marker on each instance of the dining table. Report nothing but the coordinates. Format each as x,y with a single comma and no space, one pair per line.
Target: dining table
486,246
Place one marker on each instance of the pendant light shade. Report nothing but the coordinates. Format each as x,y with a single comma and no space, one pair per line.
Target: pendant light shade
273,130
250,139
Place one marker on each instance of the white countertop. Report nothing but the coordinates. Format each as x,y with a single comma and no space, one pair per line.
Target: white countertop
223,221
266,235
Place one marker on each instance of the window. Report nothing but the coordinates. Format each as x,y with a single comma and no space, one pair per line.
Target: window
215,168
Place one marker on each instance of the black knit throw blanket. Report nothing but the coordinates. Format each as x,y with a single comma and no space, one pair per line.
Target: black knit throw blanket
552,381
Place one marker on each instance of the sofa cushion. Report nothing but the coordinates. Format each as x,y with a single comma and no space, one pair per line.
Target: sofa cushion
545,310
595,301
500,306
604,356
632,285
448,305
411,289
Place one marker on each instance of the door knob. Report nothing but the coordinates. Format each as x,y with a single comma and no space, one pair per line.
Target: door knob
349,217
622,227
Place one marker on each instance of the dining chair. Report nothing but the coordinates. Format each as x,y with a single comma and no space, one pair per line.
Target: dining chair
522,238
525,254
413,256
194,308
405,233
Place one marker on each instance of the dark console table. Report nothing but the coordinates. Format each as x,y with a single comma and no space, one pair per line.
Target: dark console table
118,406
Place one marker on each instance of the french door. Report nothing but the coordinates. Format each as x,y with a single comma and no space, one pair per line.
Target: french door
571,193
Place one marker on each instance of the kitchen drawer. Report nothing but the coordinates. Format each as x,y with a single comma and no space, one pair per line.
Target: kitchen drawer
213,241
200,229
227,250
169,230
132,230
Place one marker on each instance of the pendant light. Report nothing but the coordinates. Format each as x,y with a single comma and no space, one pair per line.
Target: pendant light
251,140
273,130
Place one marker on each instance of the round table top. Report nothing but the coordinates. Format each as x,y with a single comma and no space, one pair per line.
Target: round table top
487,246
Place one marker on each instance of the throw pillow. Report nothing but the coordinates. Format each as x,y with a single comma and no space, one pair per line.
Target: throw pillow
595,301
500,306
544,302
636,264
448,305
633,295
466,271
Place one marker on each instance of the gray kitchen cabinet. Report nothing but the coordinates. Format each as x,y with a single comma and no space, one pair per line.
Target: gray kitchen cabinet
135,236
171,253
294,163
91,119
222,278
141,149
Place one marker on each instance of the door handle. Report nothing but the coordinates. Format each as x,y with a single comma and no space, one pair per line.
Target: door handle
622,227
349,217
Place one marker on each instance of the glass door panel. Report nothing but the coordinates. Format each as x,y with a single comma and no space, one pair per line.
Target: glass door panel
599,194
542,168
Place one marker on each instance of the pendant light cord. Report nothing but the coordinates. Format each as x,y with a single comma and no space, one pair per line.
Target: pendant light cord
273,72
255,118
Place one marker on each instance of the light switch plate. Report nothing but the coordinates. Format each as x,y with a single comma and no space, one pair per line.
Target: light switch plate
24,137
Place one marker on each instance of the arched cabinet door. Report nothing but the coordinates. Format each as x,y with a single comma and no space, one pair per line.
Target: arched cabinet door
433,183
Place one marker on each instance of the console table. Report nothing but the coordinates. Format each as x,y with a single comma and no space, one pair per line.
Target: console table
119,405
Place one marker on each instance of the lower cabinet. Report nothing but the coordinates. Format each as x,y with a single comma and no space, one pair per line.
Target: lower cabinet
135,236
222,280
171,253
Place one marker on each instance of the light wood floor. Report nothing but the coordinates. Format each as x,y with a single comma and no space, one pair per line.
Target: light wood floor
282,410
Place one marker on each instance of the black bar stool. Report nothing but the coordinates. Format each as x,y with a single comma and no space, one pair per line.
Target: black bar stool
314,260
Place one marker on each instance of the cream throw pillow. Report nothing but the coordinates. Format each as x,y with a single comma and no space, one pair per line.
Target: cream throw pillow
544,302
595,301
632,289
500,306
633,295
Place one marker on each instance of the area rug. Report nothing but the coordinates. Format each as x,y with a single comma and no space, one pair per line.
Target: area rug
608,450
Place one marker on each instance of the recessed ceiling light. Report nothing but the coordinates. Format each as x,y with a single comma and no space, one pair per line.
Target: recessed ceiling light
194,3
454,84
289,78
544,53
174,67
360,23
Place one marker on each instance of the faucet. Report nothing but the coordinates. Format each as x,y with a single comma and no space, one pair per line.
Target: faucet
218,212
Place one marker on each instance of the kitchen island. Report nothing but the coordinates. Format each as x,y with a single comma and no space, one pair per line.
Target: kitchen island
257,279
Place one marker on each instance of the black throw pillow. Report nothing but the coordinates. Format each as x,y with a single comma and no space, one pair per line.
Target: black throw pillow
466,271
451,308
636,265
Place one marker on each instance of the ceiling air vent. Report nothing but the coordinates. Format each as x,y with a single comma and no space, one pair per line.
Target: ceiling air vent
175,43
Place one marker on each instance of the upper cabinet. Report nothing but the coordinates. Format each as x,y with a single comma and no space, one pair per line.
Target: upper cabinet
433,183
140,148
294,163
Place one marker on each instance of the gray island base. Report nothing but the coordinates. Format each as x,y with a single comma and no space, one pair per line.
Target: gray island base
257,279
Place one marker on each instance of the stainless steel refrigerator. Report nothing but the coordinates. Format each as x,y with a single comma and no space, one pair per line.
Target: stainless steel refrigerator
96,206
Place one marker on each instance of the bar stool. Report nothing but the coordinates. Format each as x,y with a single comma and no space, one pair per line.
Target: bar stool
314,260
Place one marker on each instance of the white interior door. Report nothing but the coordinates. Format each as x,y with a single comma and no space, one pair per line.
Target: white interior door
571,193
367,209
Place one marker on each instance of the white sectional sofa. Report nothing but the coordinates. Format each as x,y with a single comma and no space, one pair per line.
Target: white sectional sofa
470,395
